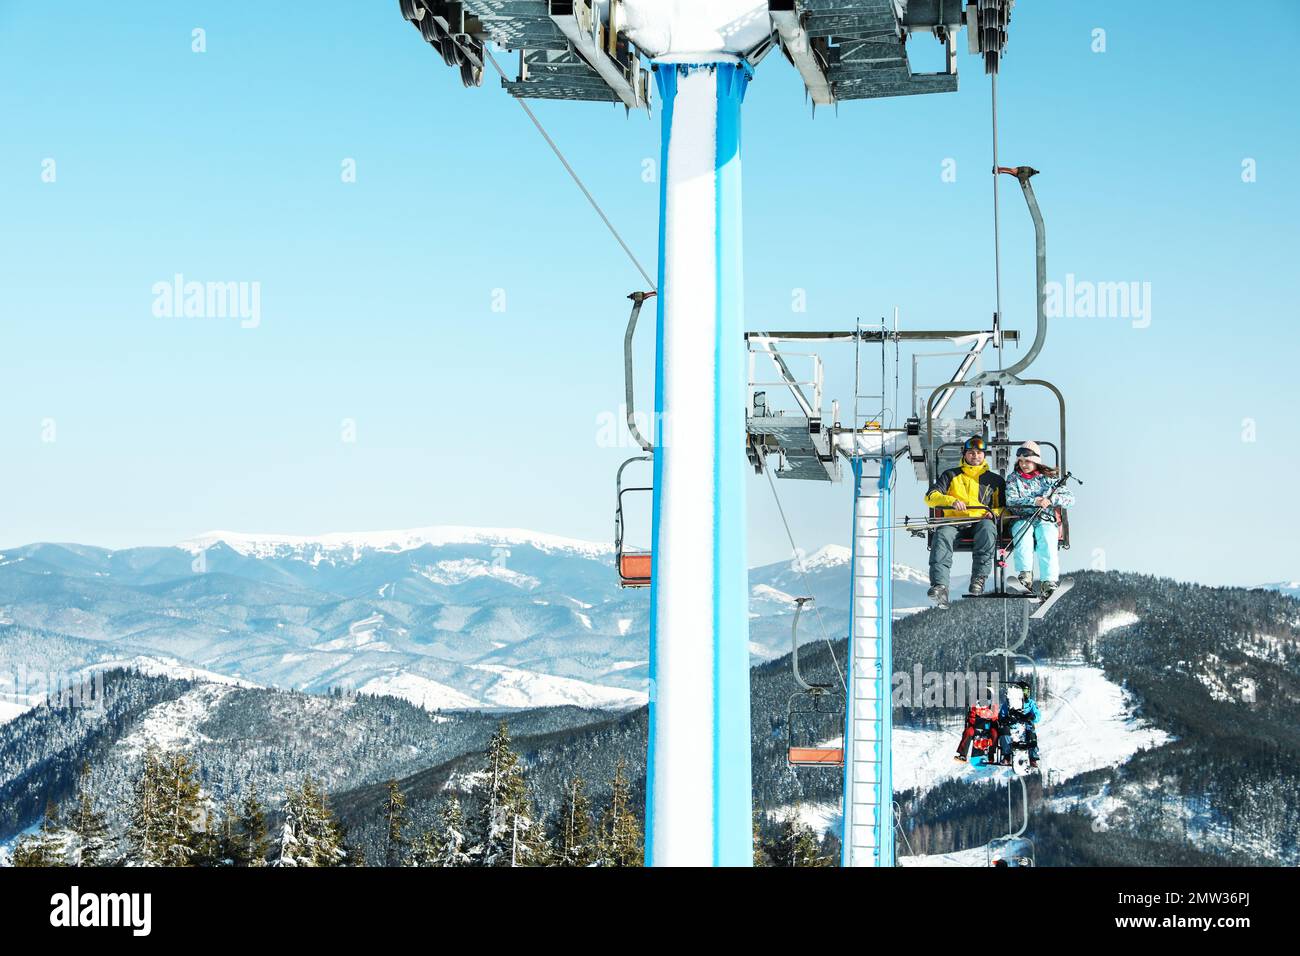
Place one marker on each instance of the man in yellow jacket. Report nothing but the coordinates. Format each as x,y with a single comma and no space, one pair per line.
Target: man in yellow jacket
967,491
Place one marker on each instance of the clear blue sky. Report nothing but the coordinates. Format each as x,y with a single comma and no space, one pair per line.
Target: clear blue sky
376,296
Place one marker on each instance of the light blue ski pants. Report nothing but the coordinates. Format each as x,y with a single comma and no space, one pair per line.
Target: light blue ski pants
1039,543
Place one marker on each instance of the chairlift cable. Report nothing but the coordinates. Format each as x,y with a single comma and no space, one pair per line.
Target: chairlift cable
794,549
571,171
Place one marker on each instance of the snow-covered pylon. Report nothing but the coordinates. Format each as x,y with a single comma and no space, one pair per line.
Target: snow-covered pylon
698,787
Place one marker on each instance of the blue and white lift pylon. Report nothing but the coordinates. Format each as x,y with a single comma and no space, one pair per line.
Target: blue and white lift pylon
807,444
699,790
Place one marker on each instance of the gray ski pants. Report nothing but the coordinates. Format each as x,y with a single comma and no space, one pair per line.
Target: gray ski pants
986,542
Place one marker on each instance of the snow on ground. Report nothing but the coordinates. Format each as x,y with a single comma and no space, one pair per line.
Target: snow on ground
421,691
975,856
827,556
1086,723
1099,806
465,569
585,619
173,725
1218,689
623,624
10,709
520,688
1115,620
165,667
625,665
820,816
765,592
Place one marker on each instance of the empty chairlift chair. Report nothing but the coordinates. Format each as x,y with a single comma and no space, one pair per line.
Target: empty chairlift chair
633,564
811,709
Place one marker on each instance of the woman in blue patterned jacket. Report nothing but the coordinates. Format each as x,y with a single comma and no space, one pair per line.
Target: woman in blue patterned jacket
1028,488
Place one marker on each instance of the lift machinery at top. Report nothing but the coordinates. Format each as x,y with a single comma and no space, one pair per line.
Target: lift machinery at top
701,55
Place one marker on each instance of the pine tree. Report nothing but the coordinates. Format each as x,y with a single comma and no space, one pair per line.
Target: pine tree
509,836
621,841
254,841
50,846
451,844
145,824
90,829
423,848
760,851
575,838
224,847
395,820
180,816
797,844
309,837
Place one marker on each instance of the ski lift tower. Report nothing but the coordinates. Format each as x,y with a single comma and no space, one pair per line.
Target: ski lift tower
702,54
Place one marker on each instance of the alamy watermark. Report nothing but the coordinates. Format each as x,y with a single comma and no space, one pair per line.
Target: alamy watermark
179,299
1083,299
54,689
956,690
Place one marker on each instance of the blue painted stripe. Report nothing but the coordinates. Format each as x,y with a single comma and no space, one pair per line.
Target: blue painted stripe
846,821
885,608
666,80
732,780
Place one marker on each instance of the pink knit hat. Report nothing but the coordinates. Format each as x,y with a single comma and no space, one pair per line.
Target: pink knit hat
1030,450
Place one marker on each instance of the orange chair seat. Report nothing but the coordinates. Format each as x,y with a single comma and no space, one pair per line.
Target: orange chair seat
817,756
634,569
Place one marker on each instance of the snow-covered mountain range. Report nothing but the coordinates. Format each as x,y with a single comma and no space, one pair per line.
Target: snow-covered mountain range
446,617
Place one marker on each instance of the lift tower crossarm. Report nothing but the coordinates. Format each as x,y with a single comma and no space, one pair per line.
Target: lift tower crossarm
798,46
580,24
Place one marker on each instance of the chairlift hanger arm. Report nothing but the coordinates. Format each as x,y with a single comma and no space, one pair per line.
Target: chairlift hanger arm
794,649
638,300
1011,375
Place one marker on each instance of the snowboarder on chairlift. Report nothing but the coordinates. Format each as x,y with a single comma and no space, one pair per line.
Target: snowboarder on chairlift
1028,489
981,732
968,491
1017,709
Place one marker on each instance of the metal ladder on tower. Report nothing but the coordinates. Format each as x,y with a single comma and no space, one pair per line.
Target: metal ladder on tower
868,835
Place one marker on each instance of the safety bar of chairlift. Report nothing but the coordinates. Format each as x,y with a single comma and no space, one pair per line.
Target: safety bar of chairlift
619,491
1007,654
638,299
930,450
1006,443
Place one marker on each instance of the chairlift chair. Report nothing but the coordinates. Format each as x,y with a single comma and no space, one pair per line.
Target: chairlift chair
809,708
634,565
965,540
1011,851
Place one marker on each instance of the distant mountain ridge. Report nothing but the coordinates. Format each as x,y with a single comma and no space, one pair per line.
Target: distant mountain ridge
443,616
355,544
